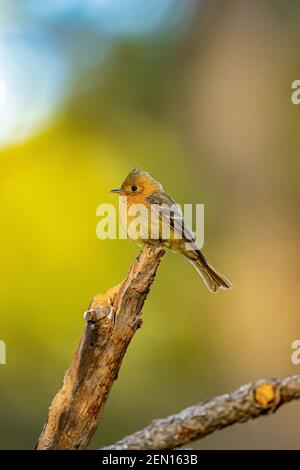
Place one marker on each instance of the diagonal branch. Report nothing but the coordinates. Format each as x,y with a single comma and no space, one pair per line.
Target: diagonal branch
250,401
111,322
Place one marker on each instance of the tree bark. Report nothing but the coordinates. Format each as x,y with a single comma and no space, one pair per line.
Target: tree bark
111,322
250,401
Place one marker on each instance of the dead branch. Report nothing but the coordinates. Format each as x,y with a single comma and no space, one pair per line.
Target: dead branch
111,322
250,401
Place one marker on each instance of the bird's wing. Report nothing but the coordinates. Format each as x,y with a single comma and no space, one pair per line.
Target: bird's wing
171,214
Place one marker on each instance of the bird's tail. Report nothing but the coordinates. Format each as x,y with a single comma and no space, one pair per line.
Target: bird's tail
212,279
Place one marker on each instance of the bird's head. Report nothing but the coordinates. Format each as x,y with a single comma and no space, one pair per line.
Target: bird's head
138,182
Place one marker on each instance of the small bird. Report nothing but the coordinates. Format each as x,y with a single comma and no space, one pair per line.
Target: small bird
141,189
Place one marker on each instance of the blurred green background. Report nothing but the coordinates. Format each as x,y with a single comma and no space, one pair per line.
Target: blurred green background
198,93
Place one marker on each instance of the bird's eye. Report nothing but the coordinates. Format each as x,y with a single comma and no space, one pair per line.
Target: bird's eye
133,188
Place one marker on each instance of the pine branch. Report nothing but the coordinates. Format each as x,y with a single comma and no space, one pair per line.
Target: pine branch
249,401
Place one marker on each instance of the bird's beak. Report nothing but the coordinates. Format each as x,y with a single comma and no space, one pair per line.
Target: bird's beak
117,191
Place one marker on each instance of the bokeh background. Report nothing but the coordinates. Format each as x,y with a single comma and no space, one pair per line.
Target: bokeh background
199,94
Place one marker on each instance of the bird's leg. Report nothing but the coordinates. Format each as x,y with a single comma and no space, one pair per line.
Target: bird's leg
157,243
139,255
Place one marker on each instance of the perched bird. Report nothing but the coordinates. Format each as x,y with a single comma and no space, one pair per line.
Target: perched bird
141,190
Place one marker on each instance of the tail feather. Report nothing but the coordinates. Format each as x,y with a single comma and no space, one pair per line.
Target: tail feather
212,279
